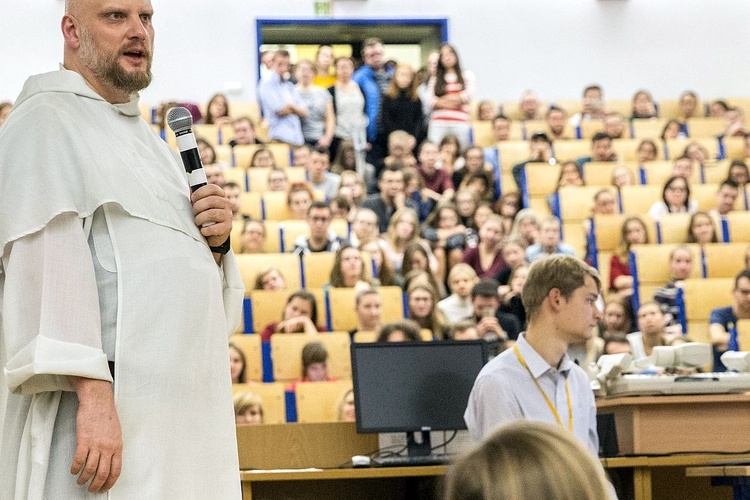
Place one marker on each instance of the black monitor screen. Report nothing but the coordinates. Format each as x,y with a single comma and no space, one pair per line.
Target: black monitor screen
403,387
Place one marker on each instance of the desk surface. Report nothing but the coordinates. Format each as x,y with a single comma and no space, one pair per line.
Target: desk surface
365,472
676,400
685,460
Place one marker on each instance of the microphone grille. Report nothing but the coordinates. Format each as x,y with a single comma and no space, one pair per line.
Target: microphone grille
179,119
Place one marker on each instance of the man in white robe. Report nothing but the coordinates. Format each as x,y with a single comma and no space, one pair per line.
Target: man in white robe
116,296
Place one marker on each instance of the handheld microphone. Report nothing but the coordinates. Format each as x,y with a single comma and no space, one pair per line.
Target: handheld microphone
181,122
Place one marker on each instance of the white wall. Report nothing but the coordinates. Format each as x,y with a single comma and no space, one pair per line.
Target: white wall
553,46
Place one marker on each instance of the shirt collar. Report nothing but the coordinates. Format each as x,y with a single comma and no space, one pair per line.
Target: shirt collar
536,363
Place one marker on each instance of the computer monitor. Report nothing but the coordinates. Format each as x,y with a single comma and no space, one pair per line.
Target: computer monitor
414,386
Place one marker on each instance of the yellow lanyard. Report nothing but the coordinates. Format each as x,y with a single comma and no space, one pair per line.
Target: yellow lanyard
546,398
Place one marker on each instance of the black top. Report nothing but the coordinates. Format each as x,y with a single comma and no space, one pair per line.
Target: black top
400,113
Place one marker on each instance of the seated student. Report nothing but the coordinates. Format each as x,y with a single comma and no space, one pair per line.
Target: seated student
507,207
446,236
253,236
500,133
382,267
262,158
514,255
735,123
616,319
486,110
300,315
341,208
697,152
632,232
616,343
473,162
244,132
301,156
525,228
486,258
718,108
346,161
463,330
646,151
604,204
671,130
437,180
277,180
314,365
570,175
234,195
481,182
549,241
400,331
723,320
675,199
680,268
392,197
369,307
492,324
615,126
364,227
248,408
237,364
702,229
651,331
424,199
345,407
726,196
215,174
299,197
528,461
422,299
352,188
402,230
511,302
555,120
457,306
540,151
643,105
322,238
592,104
739,173
348,269
206,151
270,279
317,171
684,166
601,150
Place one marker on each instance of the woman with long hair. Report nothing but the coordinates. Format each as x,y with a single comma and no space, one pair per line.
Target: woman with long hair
346,161
217,111
675,198
403,229
632,232
443,229
300,315
449,97
382,268
422,300
348,269
299,197
702,229
400,107
486,258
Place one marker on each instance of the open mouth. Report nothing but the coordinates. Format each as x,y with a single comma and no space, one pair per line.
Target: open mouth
135,56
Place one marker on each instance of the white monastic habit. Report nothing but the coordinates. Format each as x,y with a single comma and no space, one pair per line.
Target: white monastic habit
101,261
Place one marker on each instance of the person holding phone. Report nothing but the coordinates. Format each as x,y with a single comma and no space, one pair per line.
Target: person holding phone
491,323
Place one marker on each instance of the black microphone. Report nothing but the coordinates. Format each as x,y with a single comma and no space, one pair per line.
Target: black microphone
181,122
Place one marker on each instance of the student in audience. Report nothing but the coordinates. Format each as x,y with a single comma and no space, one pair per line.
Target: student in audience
447,237
341,208
675,199
322,238
466,205
5,108
270,279
500,132
525,227
726,197
528,106
348,269
697,152
651,331
604,204
633,232
301,156
486,258
349,105
237,364
449,151
422,300
369,308
281,103
299,197
540,151
646,151
722,322
601,150
364,227
215,174
473,162
324,76
684,166
549,241
345,409
643,105
486,111
248,408
702,229
402,230
401,146
217,111
570,175
314,365
481,182
464,330
507,207
234,195
244,132
253,236
262,158
435,180
555,122
616,343
680,269
206,151
424,199
622,176
739,173
615,126
346,161
735,123
318,125
593,106
400,331
401,108
317,171
718,108
277,180
492,324
457,306
514,255
417,257
300,316
391,197
671,130
528,461
510,302
383,269
617,319
450,96
352,188
688,104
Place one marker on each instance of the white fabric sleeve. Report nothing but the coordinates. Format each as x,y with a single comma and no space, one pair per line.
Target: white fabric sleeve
51,322
233,292
491,404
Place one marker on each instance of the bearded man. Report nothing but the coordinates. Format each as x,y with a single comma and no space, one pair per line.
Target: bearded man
117,287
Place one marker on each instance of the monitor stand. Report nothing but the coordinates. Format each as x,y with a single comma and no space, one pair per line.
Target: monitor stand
421,447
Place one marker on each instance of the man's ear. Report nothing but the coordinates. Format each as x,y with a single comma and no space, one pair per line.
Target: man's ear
69,26
554,297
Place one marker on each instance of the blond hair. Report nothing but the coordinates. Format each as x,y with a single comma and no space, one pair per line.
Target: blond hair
527,461
244,400
564,272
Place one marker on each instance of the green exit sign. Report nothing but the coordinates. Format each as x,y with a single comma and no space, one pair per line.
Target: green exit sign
322,7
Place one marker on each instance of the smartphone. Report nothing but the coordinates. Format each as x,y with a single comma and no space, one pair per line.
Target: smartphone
488,312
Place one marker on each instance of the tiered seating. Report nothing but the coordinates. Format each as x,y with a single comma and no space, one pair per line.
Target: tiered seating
286,353
274,400
318,401
250,346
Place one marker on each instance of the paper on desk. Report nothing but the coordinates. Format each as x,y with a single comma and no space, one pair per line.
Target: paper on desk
311,469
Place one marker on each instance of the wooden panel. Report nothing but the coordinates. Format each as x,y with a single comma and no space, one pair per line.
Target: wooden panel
652,263
724,260
318,401
703,295
250,346
274,400
251,265
286,353
638,199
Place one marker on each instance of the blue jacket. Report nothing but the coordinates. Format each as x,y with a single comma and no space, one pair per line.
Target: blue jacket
365,78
